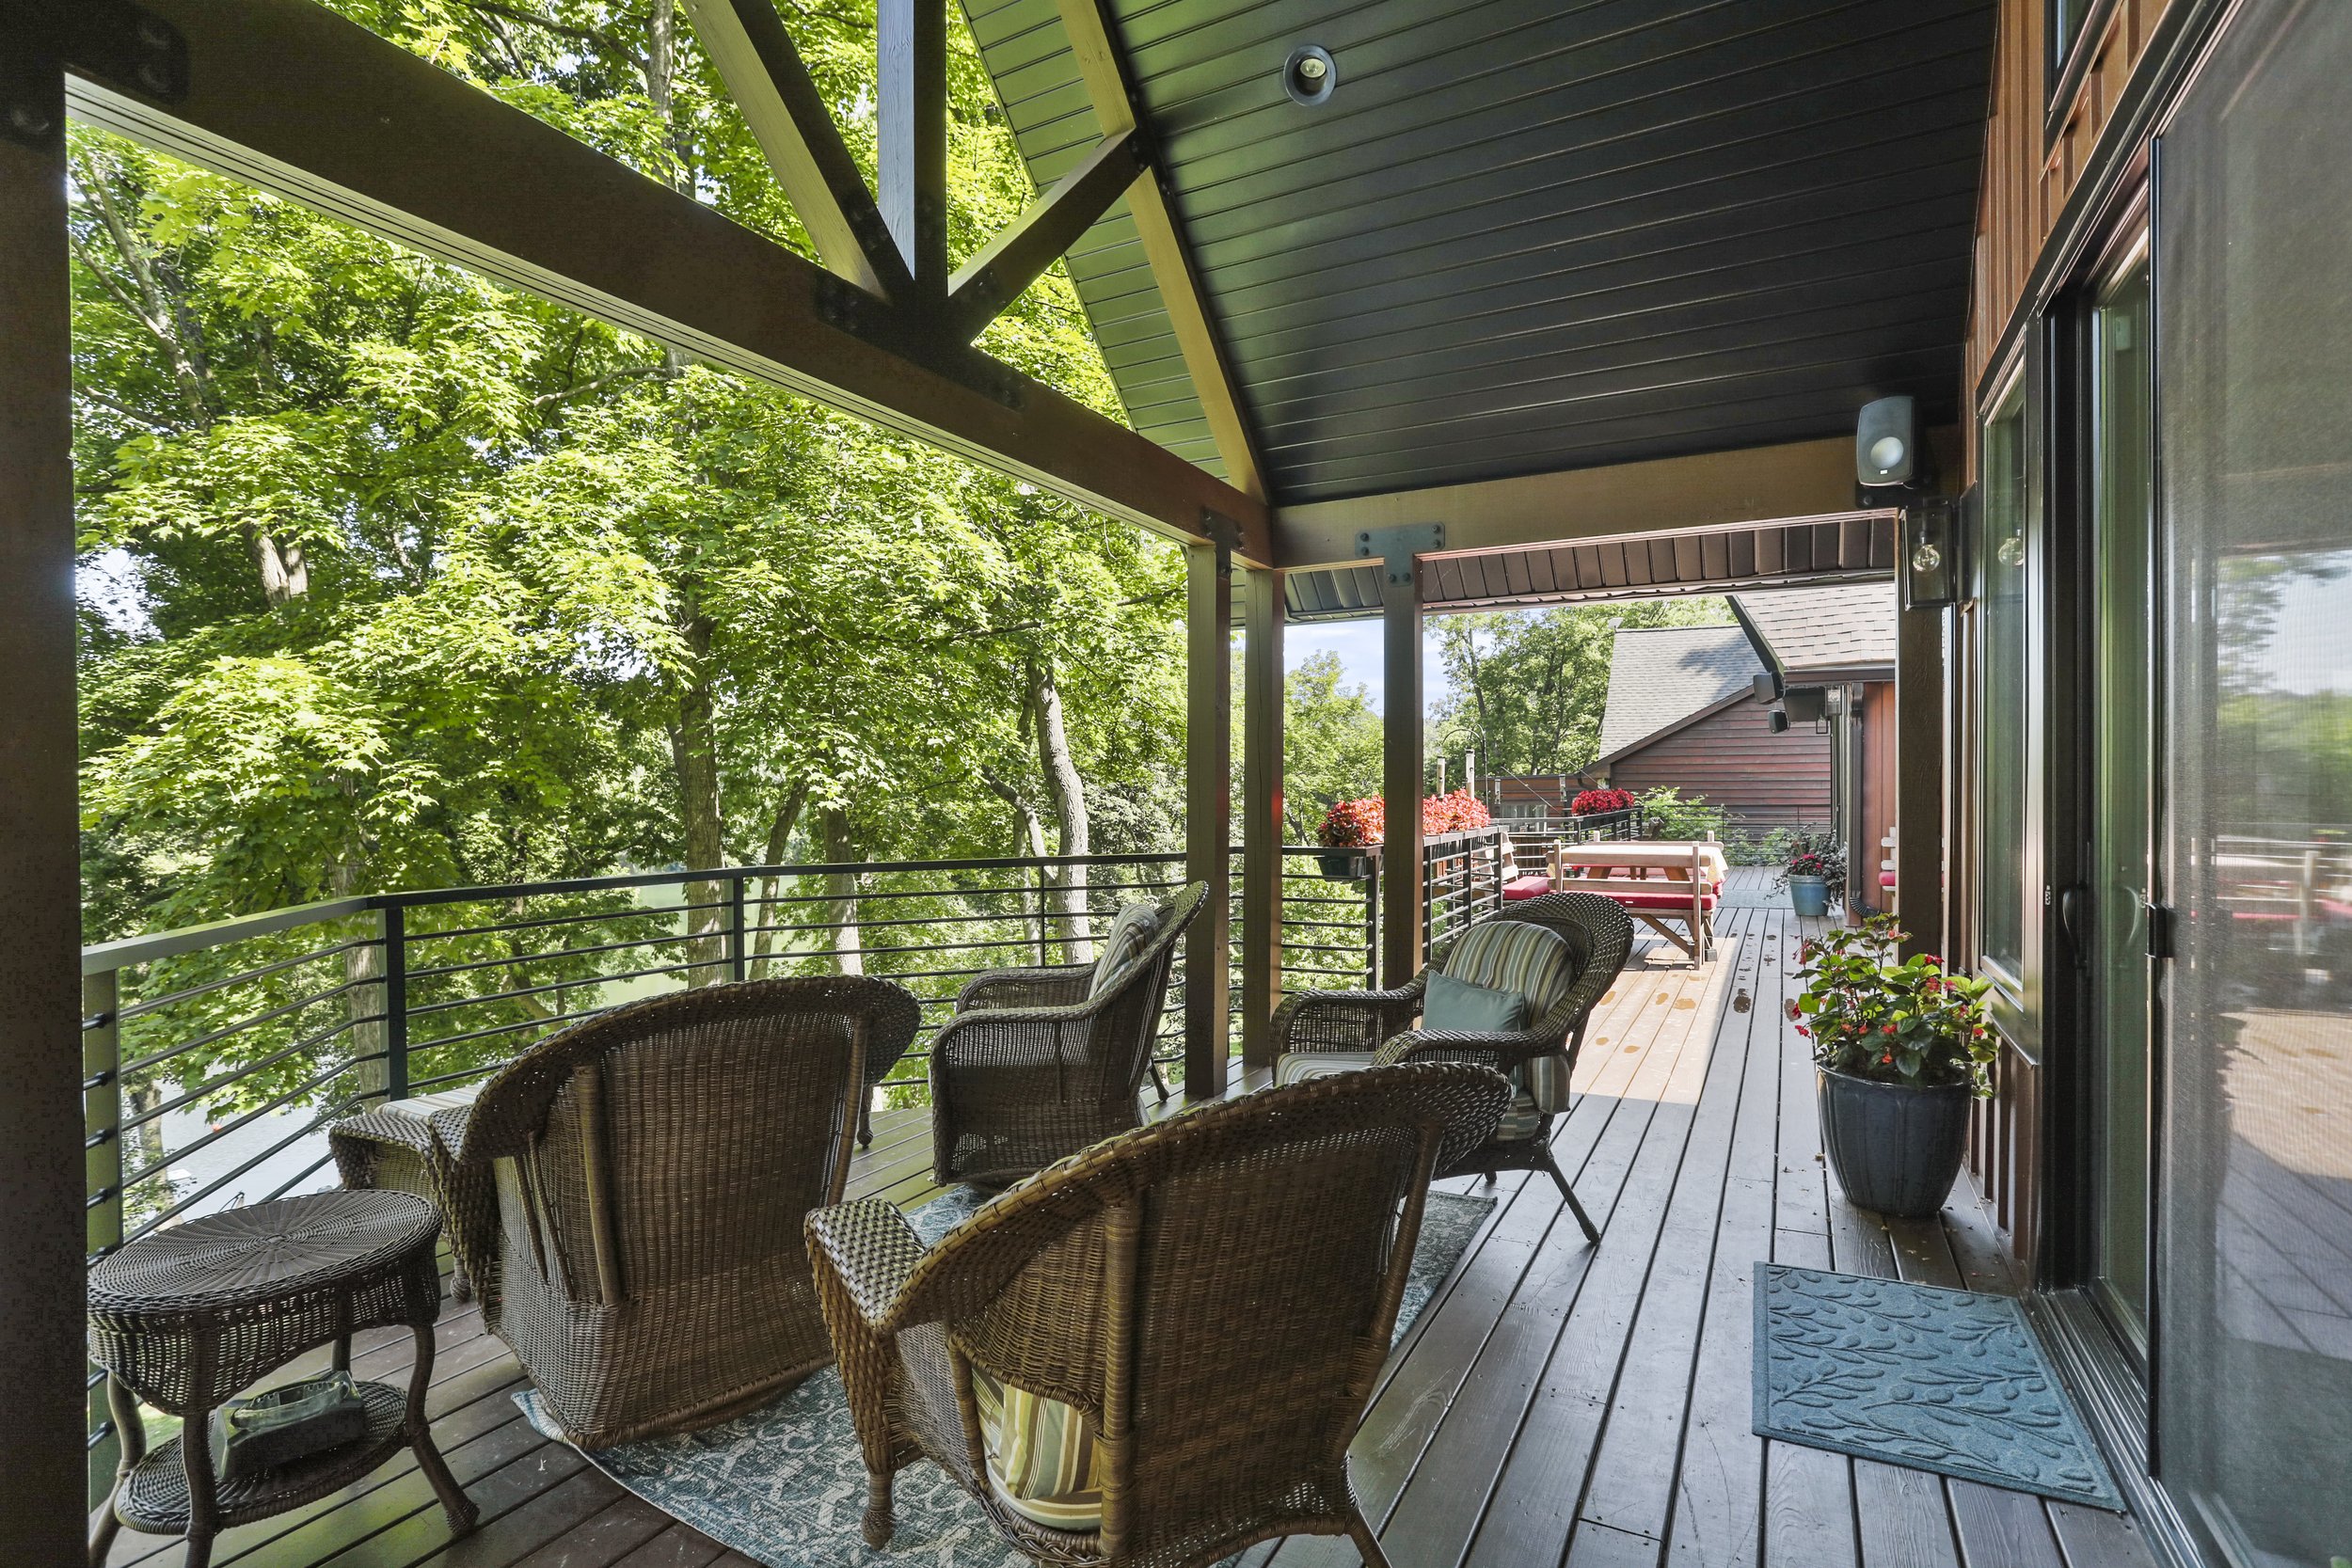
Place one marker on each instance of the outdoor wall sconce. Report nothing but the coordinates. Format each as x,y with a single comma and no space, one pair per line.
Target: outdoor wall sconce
1930,575
1308,75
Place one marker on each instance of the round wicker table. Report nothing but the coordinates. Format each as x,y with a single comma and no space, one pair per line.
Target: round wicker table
186,1318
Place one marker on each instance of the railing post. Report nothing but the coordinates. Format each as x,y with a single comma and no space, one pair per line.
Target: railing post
101,1128
739,940
1044,919
1371,923
395,1002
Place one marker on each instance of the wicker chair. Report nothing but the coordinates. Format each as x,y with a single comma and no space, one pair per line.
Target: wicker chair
1213,1295
652,1167
1040,1063
1376,1027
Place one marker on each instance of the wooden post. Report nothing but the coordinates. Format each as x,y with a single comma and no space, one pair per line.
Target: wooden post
43,1472
1400,773
913,138
1263,699
1919,778
1208,810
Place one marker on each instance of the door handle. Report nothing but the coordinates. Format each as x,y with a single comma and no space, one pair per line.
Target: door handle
2070,914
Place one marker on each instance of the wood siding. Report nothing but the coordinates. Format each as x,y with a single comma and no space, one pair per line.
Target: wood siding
2029,169
2005,1145
1877,818
1733,759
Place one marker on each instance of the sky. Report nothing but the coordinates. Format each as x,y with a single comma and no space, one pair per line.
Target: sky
1358,643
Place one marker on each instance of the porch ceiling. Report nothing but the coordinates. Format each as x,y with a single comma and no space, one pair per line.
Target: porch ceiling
1859,548
1525,236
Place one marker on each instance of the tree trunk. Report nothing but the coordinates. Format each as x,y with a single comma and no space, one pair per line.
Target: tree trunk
849,949
779,844
1068,791
695,757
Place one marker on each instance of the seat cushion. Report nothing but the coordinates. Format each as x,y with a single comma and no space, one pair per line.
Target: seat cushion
1516,956
1664,903
1545,1080
1298,1067
1521,1122
1131,930
1458,1004
1042,1459
1520,888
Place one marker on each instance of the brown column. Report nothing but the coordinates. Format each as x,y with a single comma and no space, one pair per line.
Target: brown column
1919,778
1208,810
1400,775
42,1282
1261,816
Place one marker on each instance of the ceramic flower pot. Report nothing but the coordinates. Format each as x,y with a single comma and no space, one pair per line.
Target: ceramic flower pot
1896,1148
1810,895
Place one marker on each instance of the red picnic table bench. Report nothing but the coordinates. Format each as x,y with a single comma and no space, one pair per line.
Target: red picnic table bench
1660,882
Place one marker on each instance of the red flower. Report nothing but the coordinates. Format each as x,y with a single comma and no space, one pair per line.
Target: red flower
1888,1057
1886,1028
1805,1031
1352,824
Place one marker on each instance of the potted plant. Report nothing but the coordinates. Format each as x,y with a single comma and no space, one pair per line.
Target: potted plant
1347,830
1815,875
1458,812
1900,1048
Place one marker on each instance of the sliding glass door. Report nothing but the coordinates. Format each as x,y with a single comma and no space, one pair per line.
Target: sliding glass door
2253,1298
2112,924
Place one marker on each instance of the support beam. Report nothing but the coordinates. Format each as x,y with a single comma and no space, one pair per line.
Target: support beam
1919,702
1008,264
1262,714
1801,480
1208,811
794,126
1093,44
1400,891
521,201
42,1500
914,160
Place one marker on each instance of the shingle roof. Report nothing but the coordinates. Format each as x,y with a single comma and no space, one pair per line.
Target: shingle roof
1661,677
1844,632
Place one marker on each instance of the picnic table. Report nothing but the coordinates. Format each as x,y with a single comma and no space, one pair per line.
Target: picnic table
1660,882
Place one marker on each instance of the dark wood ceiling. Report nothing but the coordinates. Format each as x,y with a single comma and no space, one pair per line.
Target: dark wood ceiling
1527,235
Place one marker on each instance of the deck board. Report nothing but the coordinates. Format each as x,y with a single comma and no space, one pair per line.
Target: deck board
1554,1404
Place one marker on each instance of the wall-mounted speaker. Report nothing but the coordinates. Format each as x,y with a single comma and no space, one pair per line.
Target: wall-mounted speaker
1767,686
1886,444
1778,721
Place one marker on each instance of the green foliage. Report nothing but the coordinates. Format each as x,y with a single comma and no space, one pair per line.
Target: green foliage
1331,744
1529,686
1667,813
1902,1022
400,578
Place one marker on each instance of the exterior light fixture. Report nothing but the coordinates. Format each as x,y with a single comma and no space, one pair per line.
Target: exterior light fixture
1308,75
1928,525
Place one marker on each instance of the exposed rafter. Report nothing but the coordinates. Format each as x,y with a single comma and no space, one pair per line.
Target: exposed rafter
1008,264
765,74
1092,42
512,197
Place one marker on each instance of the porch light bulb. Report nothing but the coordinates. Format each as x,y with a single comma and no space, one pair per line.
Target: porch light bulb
1926,558
2011,551
1887,452
1312,68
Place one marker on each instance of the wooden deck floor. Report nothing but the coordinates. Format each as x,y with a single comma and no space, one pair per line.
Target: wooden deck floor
1556,1405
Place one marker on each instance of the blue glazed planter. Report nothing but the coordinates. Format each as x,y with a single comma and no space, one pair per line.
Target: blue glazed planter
1810,895
1896,1148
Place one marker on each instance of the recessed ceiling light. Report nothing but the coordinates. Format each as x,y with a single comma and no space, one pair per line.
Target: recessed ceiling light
1308,75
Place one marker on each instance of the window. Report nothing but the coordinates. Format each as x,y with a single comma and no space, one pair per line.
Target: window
2002,779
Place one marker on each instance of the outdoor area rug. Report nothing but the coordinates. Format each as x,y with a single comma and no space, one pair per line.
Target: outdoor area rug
785,1485
1950,1381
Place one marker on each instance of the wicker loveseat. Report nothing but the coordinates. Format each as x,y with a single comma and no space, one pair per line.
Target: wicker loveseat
1040,1063
1318,1033
651,1169
1205,1303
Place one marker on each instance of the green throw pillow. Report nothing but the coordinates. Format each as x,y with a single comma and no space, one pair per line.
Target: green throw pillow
1451,1004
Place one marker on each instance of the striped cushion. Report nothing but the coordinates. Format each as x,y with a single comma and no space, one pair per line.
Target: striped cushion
1041,1457
1514,955
1129,935
1521,1122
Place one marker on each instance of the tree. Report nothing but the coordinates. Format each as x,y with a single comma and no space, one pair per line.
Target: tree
1529,686
1331,744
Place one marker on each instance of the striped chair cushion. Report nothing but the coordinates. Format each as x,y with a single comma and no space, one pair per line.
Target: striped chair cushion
1523,1120
1131,933
1041,1458
1513,954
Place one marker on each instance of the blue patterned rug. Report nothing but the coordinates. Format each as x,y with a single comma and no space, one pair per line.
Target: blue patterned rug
1950,1381
785,1485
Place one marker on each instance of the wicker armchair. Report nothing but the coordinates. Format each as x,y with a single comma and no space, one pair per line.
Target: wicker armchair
1353,1029
1040,1063
1210,1299
652,1167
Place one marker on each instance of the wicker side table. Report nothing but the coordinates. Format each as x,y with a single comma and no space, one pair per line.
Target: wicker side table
186,1318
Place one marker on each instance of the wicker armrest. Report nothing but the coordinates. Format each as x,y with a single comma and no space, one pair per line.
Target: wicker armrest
1312,1021
873,1251
1008,1036
1500,1052
1060,986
